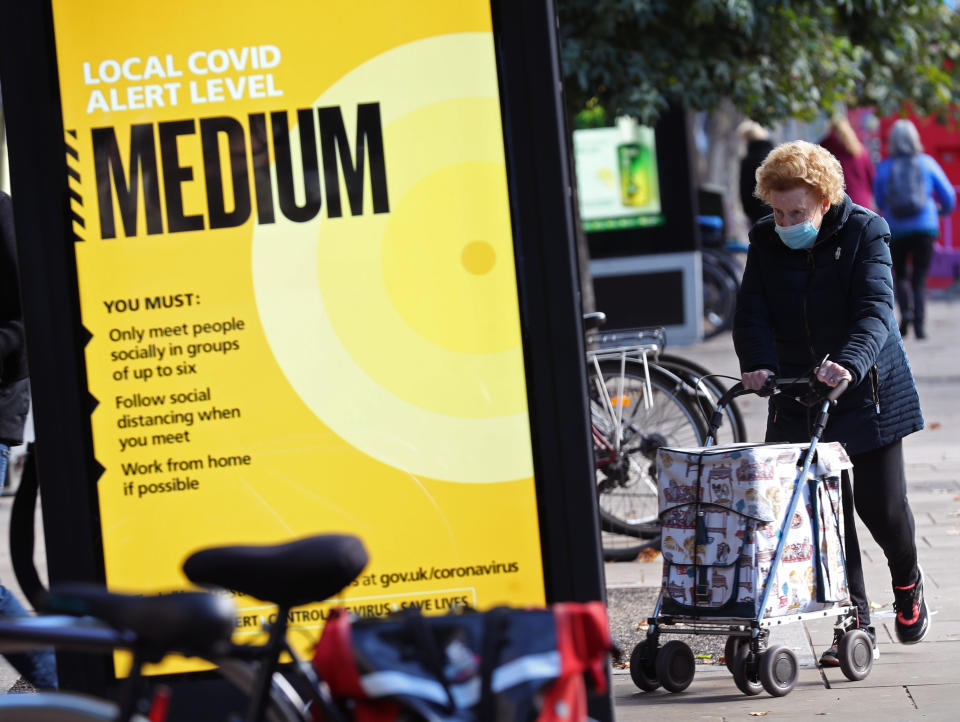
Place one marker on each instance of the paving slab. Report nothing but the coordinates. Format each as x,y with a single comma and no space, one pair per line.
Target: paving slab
713,695
934,697
886,673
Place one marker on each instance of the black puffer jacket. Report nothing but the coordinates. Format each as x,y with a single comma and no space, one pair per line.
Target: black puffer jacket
836,298
13,357
757,151
14,385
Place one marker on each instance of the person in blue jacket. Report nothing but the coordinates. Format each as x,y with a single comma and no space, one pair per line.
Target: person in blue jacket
913,229
817,297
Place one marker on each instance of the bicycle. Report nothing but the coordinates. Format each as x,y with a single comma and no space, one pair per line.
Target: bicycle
721,275
719,295
530,657
636,407
88,618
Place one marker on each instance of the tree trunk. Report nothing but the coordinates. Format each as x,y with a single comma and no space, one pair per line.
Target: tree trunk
588,303
722,166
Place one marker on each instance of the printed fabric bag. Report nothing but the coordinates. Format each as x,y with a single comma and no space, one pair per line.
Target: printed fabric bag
722,512
503,665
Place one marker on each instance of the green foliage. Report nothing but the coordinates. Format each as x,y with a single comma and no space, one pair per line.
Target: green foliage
773,58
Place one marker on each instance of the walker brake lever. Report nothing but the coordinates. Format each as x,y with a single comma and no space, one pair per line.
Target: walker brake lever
769,387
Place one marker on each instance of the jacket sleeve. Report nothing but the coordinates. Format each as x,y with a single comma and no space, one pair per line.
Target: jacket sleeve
752,325
871,301
11,326
880,188
942,188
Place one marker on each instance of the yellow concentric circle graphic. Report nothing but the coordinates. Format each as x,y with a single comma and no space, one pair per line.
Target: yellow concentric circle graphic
401,330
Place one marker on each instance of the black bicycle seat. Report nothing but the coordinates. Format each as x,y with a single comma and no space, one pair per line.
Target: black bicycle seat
290,574
191,623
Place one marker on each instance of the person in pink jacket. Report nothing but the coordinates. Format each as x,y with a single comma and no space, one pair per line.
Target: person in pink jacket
858,171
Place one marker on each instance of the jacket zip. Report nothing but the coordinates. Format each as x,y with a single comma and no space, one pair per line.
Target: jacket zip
806,319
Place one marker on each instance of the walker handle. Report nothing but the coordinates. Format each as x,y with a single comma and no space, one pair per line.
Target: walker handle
771,386
837,390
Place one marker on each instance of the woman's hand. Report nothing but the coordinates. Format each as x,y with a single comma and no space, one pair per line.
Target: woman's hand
754,380
832,374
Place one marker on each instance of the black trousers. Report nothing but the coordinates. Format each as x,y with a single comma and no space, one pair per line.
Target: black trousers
879,494
911,288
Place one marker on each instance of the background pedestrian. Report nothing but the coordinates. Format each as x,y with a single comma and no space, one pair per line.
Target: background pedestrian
37,667
912,192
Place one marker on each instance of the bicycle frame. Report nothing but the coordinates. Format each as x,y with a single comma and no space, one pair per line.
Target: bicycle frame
615,410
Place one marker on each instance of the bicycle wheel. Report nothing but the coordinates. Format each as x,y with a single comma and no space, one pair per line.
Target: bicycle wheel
708,390
58,707
727,262
629,427
719,298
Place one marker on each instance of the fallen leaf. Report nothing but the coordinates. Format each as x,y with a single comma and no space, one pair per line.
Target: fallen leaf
933,425
648,555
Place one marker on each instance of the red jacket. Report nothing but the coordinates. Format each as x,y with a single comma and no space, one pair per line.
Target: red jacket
858,171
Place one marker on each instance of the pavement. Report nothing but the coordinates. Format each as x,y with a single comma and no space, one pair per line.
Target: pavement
907,682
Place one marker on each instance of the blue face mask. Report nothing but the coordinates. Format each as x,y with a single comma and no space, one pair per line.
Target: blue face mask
802,235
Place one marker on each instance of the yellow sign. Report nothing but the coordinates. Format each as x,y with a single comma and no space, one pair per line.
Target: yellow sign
295,259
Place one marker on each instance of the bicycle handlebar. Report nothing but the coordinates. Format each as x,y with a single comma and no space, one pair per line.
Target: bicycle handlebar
594,320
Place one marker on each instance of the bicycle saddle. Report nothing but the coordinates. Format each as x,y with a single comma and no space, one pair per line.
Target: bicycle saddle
191,623
289,575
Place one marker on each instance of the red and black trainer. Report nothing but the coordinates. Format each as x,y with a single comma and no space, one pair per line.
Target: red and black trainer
913,619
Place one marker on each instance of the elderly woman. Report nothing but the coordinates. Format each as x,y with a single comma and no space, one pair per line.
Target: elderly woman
817,296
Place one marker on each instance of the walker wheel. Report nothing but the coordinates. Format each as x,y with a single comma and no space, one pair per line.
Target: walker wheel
730,650
856,654
779,670
745,671
643,670
675,666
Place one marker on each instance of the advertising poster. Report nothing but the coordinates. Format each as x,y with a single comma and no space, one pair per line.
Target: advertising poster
617,182
295,262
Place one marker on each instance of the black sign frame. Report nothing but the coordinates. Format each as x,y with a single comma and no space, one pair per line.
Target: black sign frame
535,132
